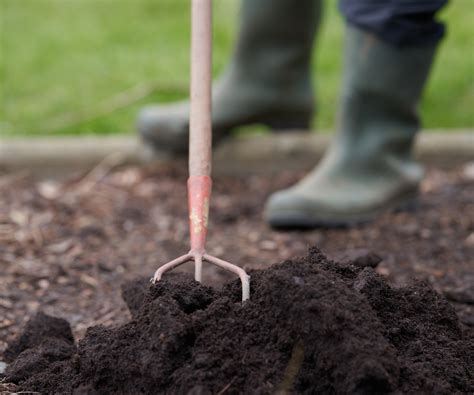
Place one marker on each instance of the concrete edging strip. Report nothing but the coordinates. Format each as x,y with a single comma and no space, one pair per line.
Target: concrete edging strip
53,156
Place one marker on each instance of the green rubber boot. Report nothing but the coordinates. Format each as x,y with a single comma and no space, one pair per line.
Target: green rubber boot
267,81
369,167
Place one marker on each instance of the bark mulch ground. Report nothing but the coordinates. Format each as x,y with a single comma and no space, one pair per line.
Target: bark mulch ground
66,248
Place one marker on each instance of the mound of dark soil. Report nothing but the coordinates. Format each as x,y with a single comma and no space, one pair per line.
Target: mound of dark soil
311,326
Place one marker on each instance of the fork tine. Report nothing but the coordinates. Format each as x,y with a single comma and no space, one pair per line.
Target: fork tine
244,277
171,265
198,267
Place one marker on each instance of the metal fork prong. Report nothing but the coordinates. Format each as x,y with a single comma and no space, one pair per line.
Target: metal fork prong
198,267
244,278
171,265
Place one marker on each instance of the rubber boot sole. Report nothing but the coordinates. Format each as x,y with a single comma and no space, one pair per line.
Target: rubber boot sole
298,220
276,124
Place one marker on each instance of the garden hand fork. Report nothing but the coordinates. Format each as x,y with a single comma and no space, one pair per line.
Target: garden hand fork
200,149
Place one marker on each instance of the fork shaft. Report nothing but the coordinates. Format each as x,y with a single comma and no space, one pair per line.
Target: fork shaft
200,134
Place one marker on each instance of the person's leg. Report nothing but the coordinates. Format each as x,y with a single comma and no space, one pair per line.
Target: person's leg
267,81
401,23
369,167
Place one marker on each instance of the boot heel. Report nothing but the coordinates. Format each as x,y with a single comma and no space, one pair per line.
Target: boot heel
284,124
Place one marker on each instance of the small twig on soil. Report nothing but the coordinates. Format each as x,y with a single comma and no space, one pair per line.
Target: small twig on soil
224,390
292,369
9,388
100,171
114,103
6,323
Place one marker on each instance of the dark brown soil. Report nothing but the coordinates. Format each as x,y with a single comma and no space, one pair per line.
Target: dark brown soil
311,326
66,247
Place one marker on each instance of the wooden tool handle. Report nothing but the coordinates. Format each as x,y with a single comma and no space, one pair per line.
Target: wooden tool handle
200,133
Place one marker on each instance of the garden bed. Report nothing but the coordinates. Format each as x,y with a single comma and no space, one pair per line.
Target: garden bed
68,246
312,326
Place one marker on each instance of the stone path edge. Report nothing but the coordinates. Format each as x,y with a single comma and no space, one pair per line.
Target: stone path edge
267,154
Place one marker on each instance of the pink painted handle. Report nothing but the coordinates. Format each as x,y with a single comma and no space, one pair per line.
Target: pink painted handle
199,195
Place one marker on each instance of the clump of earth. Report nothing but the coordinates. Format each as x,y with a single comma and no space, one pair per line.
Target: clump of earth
311,326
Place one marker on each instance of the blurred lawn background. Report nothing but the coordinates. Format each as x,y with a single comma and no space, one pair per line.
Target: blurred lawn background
87,66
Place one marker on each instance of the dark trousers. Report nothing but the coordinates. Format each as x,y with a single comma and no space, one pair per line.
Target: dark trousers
399,22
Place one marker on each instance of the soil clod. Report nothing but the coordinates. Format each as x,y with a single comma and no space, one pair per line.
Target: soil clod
40,328
311,326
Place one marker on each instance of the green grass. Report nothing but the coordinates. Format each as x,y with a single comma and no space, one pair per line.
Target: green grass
63,61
